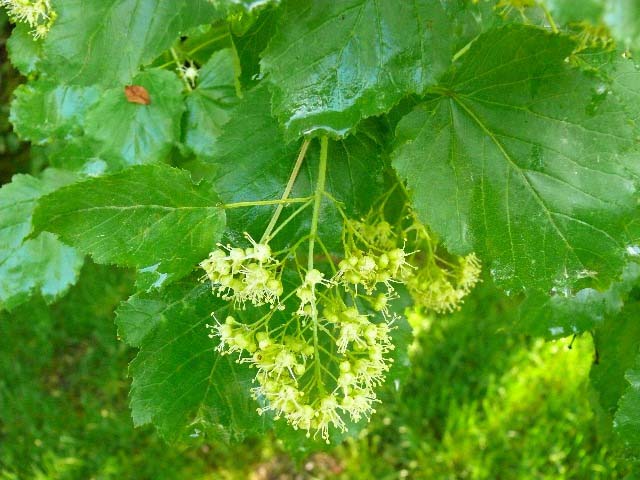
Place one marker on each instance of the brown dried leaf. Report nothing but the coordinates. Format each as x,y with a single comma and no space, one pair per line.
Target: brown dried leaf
137,94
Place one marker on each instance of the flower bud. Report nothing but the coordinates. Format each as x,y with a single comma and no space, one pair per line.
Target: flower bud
313,277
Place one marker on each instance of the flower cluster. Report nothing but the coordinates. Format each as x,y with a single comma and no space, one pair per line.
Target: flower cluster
244,275
441,281
38,14
189,72
289,371
325,344
443,290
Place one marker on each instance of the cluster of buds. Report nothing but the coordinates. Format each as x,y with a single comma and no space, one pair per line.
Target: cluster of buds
38,14
369,269
373,257
441,289
376,255
378,232
244,274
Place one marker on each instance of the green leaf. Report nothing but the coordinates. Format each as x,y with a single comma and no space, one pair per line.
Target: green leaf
617,344
106,41
209,104
43,264
614,374
24,51
623,78
250,43
138,317
559,315
254,163
18,200
78,154
626,422
180,383
151,217
43,111
130,133
523,158
333,63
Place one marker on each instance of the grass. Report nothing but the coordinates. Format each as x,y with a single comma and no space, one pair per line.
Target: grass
488,404
481,403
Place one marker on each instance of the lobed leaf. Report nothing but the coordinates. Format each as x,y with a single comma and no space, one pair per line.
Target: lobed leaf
525,160
558,315
617,346
44,265
24,51
181,383
626,422
249,43
614,374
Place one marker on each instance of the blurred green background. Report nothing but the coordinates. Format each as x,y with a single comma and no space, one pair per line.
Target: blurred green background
480,403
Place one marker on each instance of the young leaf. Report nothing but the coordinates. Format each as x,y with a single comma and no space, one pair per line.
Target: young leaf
18,200
209,104
42,264
522,158
151,217
130,133
181,383
106,41
333,63
77,154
